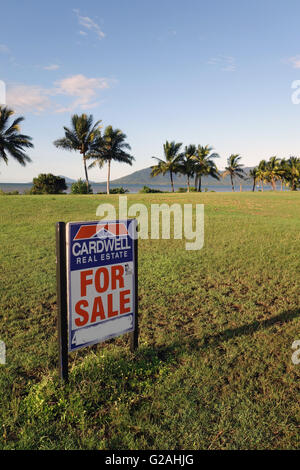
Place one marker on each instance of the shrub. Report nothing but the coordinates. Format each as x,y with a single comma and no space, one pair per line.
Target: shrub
118,191
13,193
9,193
115,191
184,190
80,187
48,184
146,190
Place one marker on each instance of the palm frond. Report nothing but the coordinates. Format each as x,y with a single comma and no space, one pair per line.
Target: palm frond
12,142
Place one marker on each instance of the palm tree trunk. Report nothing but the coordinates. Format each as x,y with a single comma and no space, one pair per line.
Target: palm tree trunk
86,173
253,189
196,182
108,176
273,184
200,184
188,184
262,185
172,184
232,186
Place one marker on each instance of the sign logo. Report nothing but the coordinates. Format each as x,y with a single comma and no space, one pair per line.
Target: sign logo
101,231
100,281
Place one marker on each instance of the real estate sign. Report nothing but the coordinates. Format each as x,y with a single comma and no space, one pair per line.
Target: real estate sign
101,280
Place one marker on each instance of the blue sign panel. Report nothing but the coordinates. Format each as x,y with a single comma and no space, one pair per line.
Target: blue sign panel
101,280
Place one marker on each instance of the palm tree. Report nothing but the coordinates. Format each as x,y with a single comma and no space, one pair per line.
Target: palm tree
262,173
12,142
293,173
283,173
234,169
83,136
187,163
273,171
204,165
111,147
171,162
253,173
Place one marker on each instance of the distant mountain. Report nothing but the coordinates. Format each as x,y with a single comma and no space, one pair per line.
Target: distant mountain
70,180
67,179
144,177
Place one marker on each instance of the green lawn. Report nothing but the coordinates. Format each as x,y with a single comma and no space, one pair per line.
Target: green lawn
214,367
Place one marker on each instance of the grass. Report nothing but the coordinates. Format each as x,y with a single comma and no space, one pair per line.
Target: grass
214,367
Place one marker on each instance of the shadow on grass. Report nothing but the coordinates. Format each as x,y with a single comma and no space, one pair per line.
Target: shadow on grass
251,327
146,362
116,378
170,352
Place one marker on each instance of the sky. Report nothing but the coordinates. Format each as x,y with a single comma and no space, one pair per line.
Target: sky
212,73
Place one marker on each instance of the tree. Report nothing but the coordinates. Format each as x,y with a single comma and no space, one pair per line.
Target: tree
283,174
273,171
253,173
187,164
80,187
170,164
262,173
48,184
12,142
204,165
110,148
83,136
292,173
234,169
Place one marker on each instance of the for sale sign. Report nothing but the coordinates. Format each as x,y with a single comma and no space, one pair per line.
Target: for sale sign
100,280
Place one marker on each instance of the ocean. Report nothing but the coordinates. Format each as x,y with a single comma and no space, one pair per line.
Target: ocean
133,188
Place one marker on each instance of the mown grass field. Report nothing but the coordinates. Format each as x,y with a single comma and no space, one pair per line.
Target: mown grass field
214,367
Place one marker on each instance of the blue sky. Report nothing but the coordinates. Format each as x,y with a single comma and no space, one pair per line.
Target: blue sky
217,73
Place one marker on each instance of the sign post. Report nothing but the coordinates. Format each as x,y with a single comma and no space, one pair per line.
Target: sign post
97,285
61,287
134,336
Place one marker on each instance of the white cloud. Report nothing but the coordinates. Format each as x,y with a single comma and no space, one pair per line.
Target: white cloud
82,33
223,63
89,24
82,90
295,61
28,98
52,67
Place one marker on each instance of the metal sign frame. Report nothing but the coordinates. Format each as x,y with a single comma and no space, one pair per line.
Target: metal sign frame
62,296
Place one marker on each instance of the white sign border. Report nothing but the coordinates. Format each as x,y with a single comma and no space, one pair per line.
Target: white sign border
68,257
